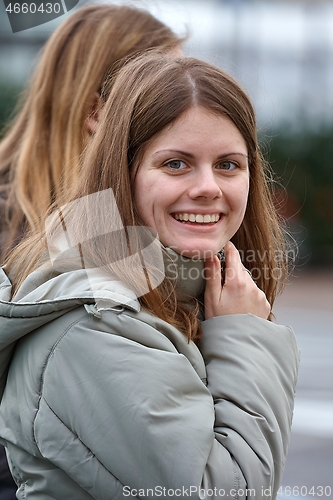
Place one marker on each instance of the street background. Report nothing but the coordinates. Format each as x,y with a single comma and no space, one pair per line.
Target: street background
306,305
282,54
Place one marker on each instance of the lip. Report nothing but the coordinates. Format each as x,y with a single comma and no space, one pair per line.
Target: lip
197,212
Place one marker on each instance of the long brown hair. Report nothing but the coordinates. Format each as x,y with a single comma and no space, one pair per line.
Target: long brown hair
148,94
39,156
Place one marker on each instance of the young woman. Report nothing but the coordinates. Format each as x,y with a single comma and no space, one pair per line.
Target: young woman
39,156
132,378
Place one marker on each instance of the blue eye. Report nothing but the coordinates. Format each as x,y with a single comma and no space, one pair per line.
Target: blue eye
176,164
227,165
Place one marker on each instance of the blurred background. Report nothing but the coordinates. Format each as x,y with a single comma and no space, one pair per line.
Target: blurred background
282,54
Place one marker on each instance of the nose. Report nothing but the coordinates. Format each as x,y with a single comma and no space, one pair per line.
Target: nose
205,184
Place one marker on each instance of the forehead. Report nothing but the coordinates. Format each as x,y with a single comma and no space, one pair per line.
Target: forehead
199,127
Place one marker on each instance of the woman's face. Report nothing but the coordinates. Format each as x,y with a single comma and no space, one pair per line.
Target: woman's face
192,183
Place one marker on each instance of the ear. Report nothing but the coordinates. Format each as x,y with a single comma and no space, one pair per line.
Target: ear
93,116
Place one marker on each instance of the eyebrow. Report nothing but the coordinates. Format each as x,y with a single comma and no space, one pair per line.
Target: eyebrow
183,153
190,155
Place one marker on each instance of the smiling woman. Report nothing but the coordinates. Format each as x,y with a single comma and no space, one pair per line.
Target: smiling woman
140,377
198,198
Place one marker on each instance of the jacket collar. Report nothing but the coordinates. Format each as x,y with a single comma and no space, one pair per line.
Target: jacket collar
187,273
46,295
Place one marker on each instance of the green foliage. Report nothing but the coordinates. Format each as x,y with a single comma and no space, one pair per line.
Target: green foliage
303,163
8,98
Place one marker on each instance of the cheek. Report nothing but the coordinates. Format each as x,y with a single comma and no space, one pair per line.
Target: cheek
244,197
144,200
239,196
138,195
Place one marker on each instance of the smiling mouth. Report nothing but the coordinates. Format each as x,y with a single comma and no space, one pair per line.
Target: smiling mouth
197,218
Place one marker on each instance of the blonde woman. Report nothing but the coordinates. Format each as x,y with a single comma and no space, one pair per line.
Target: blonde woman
139,372
39,155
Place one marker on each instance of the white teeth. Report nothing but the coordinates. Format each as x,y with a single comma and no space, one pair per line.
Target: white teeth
199,218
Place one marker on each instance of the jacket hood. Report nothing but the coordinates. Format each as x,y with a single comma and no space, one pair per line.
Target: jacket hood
44,297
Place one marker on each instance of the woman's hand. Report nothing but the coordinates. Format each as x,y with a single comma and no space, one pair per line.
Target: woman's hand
239,294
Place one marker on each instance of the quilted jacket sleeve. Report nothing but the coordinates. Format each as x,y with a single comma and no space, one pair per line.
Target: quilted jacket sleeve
252,371
127,414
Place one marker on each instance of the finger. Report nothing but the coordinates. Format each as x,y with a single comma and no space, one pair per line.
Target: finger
213,277
233,263
213,288
232,257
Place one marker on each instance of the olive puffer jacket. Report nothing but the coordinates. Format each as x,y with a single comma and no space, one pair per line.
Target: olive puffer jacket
115,403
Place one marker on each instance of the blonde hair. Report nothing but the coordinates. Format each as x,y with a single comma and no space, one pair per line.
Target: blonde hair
147,95
39,157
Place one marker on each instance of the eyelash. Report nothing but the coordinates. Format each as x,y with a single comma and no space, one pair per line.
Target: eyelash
167,164
231,163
